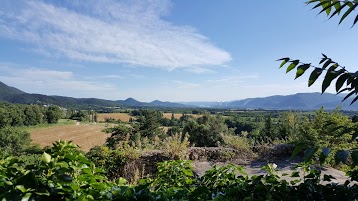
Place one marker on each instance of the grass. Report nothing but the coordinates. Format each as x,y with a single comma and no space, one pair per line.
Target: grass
61,122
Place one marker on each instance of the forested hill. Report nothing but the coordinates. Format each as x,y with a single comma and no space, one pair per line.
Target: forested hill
14,95
305,101
300,101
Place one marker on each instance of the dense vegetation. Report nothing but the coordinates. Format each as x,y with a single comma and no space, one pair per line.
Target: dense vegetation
28,115
64,173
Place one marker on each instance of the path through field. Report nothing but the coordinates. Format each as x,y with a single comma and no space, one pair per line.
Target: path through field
84,135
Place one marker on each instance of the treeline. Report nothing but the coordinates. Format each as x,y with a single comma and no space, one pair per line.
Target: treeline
28,115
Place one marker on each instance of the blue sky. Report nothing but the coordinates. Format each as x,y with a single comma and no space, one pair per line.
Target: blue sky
179,50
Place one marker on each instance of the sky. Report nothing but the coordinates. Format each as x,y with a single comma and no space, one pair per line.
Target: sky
170,50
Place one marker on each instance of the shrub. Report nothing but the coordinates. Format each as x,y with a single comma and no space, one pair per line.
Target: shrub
13,141
175,147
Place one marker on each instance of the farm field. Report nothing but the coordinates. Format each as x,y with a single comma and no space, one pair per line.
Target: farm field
117,116
85,136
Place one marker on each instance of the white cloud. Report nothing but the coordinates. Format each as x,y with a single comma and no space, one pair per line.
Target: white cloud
52,82
107,31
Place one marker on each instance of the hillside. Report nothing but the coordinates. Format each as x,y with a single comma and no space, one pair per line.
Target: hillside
307,101
14,95
300,101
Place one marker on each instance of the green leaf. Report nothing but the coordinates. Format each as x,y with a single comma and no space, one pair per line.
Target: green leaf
121,181
26,197
292,65
354,100
338,10
340,81
323,60
298,149
324,154
326,7
42,192
337,5
349,95
309,153
301,70
352,7
328,177
331,75
343,90
295,174
319,4
342,156
314,75
284,61
329,61
355,21
46,158
21,188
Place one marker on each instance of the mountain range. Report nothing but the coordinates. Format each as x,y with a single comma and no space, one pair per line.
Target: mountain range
300,101
14,95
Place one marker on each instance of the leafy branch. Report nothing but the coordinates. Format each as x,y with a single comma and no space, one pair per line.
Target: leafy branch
335,8
345,81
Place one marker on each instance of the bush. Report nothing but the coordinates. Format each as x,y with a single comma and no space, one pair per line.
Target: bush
13,141
114,162
65,173
175,147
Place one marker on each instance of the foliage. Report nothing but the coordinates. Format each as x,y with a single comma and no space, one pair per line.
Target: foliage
53,114
335,8
346,81
80,115
327,130
175,146
206,131
113,161
241,144
66,174
149,123
120,132
13,141
28,115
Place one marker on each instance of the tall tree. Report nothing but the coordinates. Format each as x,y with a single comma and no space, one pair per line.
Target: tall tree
54,113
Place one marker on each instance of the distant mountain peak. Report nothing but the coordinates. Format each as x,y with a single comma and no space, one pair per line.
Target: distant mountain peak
130,100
